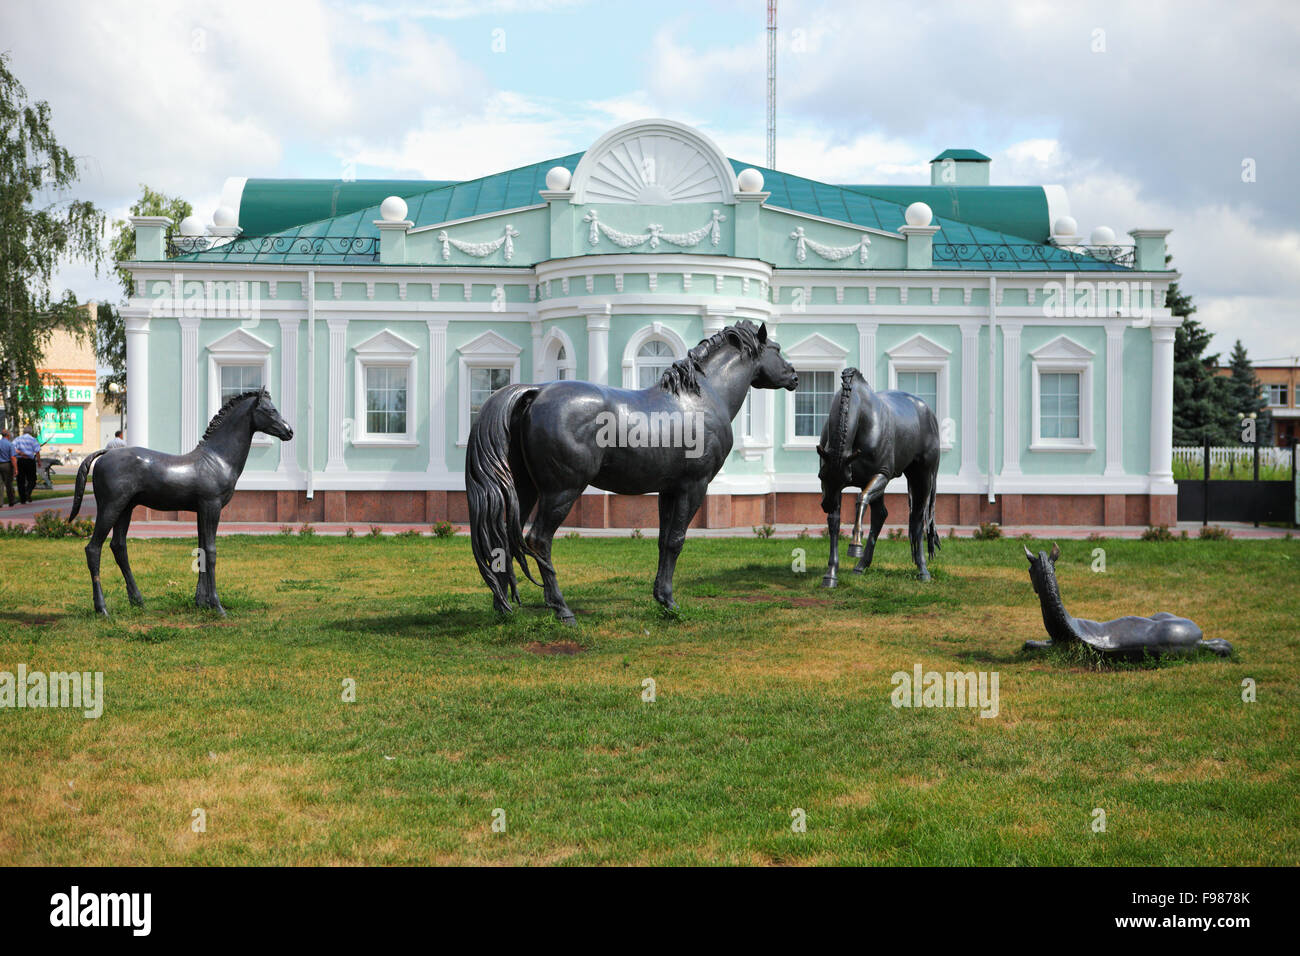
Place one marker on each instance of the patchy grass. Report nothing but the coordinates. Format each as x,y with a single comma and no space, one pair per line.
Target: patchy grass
771,694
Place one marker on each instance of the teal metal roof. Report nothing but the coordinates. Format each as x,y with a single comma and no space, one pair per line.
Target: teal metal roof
351,238
967,155
268,206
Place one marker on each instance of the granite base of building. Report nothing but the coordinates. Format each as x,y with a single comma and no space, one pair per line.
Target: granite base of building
719,511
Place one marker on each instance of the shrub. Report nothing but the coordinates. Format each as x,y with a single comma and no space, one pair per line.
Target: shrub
409,533
444,529
14,530
765,531
897,534
636,533
804,535
572,535
1158,533
82,527
350,533
50,524
952,531
1094,536
306,530
286,529
987,531
1214,533
376,531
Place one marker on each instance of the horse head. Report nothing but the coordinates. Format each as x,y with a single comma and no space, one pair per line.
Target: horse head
1042,568
266,418
772,370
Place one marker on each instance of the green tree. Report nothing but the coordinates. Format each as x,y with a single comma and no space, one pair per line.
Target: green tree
1246,395
110,331
41,225
1201,403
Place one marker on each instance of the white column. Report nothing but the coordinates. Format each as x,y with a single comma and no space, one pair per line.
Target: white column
1162,405
287,399
539,373
598,346
437,395
1115,400
189,382
970,401
137,378
867,351
1011,397
337,377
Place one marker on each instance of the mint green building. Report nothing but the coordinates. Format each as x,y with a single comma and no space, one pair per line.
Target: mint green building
380,315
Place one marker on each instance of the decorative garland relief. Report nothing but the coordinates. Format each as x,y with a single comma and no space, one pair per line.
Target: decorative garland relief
830,253
656,234
480,250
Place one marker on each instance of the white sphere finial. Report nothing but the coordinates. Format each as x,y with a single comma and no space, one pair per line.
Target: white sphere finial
1102,236
558,178
224,217
1065,226
192,226
918,214
393,209
750,181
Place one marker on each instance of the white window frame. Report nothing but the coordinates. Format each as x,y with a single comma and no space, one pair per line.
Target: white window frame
655,330
550,366
384,349
816,353
1285,394
923,354
239,347
1063,354
489,350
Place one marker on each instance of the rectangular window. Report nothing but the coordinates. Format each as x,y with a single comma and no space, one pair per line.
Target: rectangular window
386,399
237,379
482,383
1059,404
812,402
1277,395
924,385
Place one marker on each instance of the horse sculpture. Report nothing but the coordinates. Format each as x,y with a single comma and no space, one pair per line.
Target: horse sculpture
1131,638
869,438
541,445
202,481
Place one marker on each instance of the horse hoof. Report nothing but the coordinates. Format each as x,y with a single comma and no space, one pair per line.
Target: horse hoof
568,620
923,576
859,570
828,581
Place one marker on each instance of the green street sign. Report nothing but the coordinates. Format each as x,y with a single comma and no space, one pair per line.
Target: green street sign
61,429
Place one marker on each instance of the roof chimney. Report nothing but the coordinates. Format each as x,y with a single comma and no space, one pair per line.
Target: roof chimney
959,167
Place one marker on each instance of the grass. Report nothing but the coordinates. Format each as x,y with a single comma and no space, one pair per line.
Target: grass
1235,471
771,694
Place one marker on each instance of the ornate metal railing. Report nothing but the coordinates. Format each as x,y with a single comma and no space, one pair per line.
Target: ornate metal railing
1029,253
338,247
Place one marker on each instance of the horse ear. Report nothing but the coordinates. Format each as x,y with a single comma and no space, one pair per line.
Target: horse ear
762,333
1028,554
1056,553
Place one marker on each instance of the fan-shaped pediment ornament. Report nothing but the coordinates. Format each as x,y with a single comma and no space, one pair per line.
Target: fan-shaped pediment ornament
653,162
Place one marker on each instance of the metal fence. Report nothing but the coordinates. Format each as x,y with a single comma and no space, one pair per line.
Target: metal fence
1233,457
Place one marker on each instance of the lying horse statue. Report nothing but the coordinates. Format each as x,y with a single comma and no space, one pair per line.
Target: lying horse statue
1130,638
202,481
542,445
870,437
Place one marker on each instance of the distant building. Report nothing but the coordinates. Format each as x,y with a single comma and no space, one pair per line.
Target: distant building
1278,383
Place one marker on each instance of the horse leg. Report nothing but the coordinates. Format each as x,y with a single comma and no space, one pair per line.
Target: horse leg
918,518
878,516
831,502
205,595
675,514
552,508
104,521
118,547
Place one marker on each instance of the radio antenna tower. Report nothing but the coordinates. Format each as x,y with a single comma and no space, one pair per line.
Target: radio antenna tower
771,84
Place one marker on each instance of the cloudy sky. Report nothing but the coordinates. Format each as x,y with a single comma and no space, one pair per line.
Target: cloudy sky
1148,113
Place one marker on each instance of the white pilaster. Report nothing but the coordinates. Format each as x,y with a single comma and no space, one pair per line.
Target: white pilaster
1115,400
1011,397
336,425
437,395
1162,405
189,382
287,399
867,351
598,344
970,401
538,372
137,378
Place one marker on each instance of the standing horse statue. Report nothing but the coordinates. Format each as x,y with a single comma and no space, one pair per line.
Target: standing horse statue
870,437
202,481
1128,638
542,445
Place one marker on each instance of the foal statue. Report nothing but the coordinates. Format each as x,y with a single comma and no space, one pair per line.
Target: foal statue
1131,637
542,445
202,481
870,437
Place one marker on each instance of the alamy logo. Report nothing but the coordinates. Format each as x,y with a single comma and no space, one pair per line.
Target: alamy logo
134,910
627,428
951,689
76,689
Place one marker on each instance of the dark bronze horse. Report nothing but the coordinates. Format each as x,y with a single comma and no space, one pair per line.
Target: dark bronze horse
202,481
869,438
541,445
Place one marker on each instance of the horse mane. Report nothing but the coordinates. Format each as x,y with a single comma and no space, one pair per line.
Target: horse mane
683,375
841,437
223,413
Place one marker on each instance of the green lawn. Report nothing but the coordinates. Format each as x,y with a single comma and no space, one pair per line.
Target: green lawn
772,695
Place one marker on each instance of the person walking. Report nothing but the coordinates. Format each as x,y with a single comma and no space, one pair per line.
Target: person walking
115,441
7,465
27,453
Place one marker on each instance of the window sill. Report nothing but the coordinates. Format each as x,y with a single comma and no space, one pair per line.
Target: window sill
801,444
1076,446
369,442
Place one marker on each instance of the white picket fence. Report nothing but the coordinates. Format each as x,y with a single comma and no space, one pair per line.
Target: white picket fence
1237,457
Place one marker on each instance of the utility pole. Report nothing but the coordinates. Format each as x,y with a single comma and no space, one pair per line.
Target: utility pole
771,84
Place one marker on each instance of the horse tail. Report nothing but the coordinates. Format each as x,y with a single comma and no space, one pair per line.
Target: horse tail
931,532
846,394
82,472
495,525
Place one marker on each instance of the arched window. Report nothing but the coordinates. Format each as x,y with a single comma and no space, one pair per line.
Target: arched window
652,360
